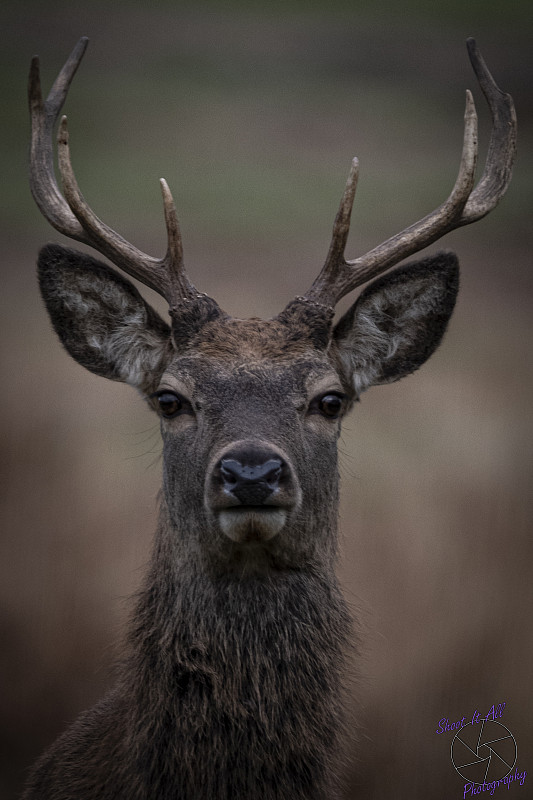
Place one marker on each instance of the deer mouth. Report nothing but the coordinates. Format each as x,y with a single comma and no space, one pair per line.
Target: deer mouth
251,523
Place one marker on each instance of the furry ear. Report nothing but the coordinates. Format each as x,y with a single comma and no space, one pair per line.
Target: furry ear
398,321
101,318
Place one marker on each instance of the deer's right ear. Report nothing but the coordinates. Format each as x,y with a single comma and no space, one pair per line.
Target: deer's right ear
101,318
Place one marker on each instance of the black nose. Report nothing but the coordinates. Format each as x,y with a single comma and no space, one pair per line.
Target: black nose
251,475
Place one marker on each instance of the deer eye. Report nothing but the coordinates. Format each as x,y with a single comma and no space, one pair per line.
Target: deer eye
330,405
171,404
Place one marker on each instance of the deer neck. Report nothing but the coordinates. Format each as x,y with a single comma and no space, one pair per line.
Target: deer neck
235,668
237,635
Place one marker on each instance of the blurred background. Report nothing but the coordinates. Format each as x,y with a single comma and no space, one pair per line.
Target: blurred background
253,111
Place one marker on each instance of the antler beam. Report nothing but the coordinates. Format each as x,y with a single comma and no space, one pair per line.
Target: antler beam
465,204
71,215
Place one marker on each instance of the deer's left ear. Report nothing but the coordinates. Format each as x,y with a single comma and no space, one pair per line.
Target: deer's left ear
398,321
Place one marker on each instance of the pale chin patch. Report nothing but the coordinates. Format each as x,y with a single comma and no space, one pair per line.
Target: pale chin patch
250,525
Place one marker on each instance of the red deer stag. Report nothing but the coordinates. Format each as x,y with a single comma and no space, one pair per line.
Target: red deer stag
231,682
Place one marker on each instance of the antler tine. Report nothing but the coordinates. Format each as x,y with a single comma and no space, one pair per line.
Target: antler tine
464,205
502,146
341,228
174,255
72,215
43,183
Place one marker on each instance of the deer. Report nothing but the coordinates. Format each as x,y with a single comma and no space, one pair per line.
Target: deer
232,677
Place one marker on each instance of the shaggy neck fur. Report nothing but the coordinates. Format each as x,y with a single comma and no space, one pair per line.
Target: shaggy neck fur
230,690
236,694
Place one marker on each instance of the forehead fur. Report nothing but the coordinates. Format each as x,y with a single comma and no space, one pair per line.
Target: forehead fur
249,340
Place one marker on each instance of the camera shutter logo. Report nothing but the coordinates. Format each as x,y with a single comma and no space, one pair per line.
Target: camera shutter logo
483,752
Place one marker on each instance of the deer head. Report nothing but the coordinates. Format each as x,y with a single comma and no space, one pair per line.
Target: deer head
250,409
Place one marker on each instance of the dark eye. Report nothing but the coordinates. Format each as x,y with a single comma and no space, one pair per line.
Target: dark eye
171,404
329,405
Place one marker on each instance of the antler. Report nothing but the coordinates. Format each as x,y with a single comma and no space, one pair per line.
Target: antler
71,214
464,205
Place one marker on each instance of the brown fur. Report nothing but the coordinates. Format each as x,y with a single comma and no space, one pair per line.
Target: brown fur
231,682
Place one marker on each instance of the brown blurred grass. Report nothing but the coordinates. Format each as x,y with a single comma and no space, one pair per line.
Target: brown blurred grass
253,117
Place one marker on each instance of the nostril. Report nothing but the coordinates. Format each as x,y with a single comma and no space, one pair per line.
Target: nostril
272,477
228,474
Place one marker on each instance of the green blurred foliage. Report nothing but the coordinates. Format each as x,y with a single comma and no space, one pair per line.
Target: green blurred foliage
219,98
